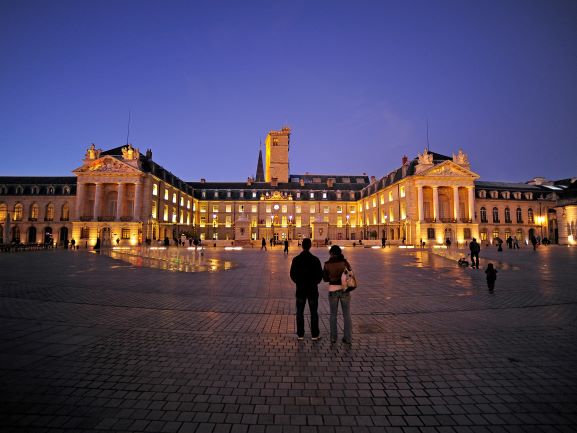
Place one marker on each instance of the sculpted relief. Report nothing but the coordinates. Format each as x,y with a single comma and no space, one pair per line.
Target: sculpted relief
425,157
92,153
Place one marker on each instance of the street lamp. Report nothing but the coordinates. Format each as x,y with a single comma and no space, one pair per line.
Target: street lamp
347,227
214,225
290,223
385,236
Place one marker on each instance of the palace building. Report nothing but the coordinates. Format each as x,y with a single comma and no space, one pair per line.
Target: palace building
125,197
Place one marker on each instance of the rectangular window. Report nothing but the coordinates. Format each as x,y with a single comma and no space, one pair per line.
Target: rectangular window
467,233
402,191
228,221
254,208
125,234
84,233
326,209
431,233
390,195
182,201
228,208
299,221
203,221
284,208
203,208
339,221
215,208
374,202
165,214
324,195
174,215
312,209
326,219
154,189
298,208
312,195
154,210
166,194
268,208
241,208
382,198
339,209
188,204
254,195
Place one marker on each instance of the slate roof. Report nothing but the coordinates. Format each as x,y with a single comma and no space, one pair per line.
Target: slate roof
42,182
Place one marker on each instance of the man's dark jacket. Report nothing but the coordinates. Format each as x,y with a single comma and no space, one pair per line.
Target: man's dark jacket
307,273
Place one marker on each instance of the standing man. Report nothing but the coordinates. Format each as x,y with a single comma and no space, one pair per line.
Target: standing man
306,272
475,250
286,245
263,244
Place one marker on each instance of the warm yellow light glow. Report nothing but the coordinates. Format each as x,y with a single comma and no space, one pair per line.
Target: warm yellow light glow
440,246
406,246
233,248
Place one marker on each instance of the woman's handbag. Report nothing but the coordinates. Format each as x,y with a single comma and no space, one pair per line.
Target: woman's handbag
348,280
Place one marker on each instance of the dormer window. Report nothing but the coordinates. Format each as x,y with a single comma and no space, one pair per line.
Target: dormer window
66,190
517,195
505,194
324,195
35,189
529,195
298,194
312,195
203,194
19,190
216,194
253,194
228,194
494,194
3,190
352,195
482,194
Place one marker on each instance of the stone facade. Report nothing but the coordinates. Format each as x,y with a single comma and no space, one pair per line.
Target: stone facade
122,197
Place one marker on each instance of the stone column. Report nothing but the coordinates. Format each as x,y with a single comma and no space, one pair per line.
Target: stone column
436,203
420,195
80,197
97,196
471,191
456,202
119,201
137,212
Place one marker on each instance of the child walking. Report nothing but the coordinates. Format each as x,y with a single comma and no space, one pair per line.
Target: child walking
491,277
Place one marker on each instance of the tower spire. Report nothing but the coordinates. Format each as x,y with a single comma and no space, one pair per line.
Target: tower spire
259,167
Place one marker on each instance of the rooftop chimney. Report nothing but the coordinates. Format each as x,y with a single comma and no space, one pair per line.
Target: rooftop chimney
203,180
405,159
274,182
330,182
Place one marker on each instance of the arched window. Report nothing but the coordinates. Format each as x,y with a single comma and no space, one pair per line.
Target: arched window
483,234
49,212
65,212
519,234
3,211
507,215
483,215
34,210
519,215
530,218
495,233
18,212
495,215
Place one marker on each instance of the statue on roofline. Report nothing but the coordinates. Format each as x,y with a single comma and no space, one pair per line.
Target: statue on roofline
425,157
129,153
92,152
461,158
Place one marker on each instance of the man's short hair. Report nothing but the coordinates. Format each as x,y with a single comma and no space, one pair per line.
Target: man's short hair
307,244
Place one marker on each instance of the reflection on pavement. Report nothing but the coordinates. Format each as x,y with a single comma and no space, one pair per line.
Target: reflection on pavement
178,260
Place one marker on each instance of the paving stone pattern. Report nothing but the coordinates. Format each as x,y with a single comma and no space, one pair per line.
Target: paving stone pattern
93,344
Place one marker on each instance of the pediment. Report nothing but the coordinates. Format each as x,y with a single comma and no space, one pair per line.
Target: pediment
106,165
449,169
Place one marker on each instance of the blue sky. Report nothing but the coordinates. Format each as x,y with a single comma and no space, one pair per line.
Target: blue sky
356,81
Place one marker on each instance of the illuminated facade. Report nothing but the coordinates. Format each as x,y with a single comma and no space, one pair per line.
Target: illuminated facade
121,196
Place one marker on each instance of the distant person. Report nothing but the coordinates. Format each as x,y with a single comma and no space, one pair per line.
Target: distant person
383,242
333,271
448,243
286,246
516,243
534,242
475,249
509,242
491,277
166,241
263,244
306,272
499,244
271,242
73,243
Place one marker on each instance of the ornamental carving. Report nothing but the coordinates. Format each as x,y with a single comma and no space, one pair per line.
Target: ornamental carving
445,171
277,195
425,157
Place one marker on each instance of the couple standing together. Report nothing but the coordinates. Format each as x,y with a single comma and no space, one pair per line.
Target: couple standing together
307,273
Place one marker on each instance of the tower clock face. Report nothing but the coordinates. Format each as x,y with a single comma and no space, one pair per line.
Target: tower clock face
276,206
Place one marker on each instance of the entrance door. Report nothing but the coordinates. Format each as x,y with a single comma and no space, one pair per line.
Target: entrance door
105,237
64,236
32,235
48,235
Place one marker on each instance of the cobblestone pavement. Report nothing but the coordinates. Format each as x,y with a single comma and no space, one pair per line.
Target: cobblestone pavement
93,344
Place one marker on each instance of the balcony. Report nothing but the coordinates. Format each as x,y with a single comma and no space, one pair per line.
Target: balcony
86,218
448,220
508,221
466,220
126,218
496,221
64,219
32,219
106,218
48,219
430,220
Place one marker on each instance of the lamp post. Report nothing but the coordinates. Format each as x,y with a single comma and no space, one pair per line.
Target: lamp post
347,226
385,235
214,225
290,224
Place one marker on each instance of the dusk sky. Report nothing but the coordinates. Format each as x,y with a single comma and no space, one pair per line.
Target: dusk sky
356,81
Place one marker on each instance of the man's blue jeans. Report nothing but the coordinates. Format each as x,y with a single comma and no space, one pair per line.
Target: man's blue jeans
313,300
345,300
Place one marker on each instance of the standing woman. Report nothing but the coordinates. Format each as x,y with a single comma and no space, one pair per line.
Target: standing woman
332,273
